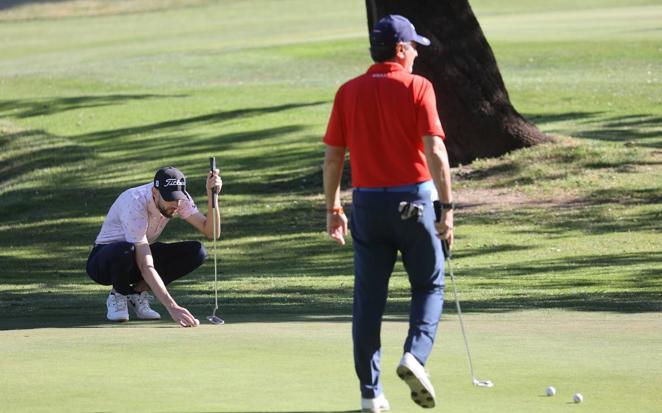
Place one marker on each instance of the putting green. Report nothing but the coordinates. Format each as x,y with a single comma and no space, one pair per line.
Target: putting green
306,365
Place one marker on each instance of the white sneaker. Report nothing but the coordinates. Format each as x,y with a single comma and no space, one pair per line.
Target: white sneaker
140,305
415,376
117,310
376,405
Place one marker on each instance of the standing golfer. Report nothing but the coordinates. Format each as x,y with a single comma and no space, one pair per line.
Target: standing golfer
387,119
127,256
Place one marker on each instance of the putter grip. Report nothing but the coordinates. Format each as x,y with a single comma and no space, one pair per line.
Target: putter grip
447,251
437,217
212,167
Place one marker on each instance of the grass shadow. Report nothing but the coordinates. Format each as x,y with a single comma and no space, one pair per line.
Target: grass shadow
542,118
589,214
644,129
273,261
27,108
109,136
9,4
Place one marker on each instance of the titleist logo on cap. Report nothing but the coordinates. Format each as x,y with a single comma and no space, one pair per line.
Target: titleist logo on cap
174,182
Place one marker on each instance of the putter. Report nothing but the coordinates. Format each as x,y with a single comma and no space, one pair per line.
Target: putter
213,318
474,380
447,254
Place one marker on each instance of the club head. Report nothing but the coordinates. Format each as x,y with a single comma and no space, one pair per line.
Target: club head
482,383
215,320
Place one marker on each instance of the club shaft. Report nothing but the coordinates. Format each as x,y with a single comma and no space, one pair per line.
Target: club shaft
212,167
459,315
215,268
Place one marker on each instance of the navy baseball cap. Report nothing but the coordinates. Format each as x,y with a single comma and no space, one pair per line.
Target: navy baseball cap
392,29
171,184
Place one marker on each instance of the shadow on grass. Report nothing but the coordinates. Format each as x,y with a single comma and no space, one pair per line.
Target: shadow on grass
50,180
8,4
590,214
90,313
29,174
644,129
39,167
546,164
540,118
26,108
648,277
633,302
180,124
40,301
47,292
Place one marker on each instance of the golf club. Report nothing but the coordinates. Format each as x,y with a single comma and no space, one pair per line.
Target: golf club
447,254
474,380
213,318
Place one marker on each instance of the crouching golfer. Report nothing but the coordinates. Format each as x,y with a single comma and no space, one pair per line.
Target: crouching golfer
387,119
127,256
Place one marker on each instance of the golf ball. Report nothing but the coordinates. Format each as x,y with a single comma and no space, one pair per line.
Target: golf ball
550,391
578,398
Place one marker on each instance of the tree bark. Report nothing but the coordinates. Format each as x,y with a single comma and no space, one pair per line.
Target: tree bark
473,104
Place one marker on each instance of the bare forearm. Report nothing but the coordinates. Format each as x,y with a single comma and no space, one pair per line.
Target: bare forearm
210,220
151,276
439,166
333,166
155,283
336,221
145,262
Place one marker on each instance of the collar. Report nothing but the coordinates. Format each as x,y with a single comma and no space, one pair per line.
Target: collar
385,67
152,209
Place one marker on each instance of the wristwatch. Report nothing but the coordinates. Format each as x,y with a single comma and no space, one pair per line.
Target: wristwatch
450,205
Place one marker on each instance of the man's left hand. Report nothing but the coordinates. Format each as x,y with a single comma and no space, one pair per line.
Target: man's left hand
214,181
445,226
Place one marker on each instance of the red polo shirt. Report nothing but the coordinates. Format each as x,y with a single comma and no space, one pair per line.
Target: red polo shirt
381,117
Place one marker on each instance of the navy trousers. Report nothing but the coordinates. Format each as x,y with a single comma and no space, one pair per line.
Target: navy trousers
115,264
379,232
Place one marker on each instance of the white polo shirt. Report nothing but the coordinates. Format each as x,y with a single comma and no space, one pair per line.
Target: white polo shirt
134,217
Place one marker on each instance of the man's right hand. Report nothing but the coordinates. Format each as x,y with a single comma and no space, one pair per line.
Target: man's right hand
336,226
182,316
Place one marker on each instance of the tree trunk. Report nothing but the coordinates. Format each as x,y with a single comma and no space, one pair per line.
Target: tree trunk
473,104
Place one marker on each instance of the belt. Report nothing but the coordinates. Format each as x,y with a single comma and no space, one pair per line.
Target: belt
425,186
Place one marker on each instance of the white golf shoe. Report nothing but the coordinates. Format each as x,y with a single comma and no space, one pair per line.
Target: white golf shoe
117,308
415,376
140,305
376,405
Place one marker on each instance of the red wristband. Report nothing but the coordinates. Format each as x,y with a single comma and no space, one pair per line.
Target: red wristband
335,211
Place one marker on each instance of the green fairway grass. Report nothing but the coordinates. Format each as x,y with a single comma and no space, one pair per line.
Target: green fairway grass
558,253
304,366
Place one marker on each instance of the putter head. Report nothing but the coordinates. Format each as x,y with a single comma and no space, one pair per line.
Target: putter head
482,383
215,320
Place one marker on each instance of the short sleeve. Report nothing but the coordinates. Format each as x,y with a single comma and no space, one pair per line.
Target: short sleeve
134,218
187,208
427,116
335,135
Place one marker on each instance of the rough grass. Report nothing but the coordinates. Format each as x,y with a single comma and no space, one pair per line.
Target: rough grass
61,9
87,113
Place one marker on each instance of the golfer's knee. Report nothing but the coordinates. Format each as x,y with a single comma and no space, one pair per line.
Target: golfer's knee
199,253
125,255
